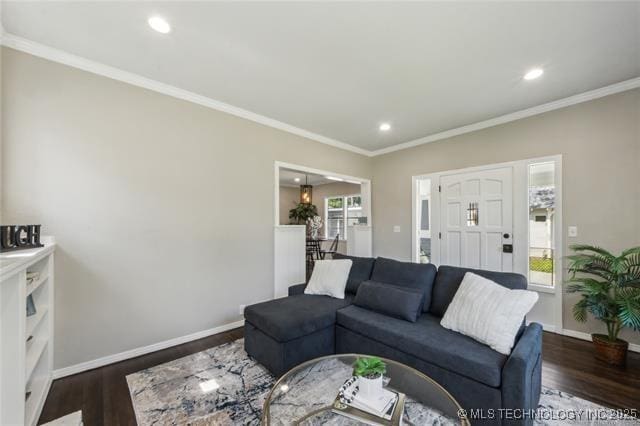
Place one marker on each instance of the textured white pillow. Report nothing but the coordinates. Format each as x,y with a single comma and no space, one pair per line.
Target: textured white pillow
488,312
329,278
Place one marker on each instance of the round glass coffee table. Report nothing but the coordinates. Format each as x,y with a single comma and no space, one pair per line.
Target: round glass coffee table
305,395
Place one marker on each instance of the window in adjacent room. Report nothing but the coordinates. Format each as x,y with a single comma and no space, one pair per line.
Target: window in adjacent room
340,212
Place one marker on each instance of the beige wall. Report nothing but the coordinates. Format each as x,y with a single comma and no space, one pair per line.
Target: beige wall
148,198
600,144
289,198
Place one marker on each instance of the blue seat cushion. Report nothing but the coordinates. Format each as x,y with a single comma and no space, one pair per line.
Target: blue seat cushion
295,316
406,274
428,341
361,268
449,278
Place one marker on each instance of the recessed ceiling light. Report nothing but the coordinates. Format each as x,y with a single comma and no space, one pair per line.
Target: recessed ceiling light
334,178
159,24
296,179
533,74
385,127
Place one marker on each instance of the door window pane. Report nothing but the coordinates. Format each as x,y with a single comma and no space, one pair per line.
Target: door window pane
541,223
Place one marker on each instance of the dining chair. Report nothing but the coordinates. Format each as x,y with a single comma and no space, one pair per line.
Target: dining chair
333,249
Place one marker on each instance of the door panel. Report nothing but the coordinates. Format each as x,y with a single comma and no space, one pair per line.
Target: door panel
473,249
477,208
453,248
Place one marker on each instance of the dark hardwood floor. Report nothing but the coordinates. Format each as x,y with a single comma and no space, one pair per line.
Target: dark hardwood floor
103,396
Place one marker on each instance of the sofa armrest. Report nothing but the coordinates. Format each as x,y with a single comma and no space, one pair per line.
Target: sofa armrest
522,376
297,289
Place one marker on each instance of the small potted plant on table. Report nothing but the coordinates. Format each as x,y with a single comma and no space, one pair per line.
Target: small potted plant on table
610,290
369,372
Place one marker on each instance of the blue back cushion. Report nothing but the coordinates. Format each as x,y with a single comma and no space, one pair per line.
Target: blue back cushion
361,268
406,274
392,300
449,278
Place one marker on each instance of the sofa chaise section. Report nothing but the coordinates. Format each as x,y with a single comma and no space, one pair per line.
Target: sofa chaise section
283,333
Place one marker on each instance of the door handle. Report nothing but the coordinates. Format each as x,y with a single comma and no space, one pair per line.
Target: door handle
507,248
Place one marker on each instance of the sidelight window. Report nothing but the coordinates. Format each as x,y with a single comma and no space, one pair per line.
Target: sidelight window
542,208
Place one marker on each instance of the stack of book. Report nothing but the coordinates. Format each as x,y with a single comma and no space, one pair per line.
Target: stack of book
385,408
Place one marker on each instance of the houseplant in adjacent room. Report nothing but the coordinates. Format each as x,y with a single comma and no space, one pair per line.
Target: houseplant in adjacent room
610,290
301,212
369,371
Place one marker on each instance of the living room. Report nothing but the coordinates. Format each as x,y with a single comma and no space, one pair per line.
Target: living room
152,149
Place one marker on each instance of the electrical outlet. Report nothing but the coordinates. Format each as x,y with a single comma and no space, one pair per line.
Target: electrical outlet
573,231
242,309
396,228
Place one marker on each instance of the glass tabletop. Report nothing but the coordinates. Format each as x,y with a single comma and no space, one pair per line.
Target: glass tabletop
305,394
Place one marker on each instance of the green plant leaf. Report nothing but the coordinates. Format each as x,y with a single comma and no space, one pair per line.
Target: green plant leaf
580,311
609,285
369,366
628,300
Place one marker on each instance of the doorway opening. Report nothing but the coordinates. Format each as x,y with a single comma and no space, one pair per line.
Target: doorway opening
317,214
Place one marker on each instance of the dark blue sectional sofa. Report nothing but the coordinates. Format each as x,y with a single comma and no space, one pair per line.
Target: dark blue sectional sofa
283,333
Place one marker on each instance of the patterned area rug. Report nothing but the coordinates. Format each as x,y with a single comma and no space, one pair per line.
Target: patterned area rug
223,386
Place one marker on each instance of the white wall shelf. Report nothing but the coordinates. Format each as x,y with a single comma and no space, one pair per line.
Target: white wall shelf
26,342
35,320
35,285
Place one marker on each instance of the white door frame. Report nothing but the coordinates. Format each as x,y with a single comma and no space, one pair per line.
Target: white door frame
288,267
520,222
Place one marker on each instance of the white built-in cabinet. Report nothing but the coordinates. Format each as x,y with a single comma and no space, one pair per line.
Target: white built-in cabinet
26,342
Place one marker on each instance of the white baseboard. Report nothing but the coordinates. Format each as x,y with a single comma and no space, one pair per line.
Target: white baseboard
132,353
586,336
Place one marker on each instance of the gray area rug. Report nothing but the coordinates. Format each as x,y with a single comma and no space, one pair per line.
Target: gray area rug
223,386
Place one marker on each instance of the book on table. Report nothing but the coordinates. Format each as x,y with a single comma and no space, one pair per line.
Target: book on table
385,409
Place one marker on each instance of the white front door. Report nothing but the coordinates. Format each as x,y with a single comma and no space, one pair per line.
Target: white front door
477,219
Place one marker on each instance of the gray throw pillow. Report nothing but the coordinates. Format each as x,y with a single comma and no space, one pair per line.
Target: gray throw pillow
395,301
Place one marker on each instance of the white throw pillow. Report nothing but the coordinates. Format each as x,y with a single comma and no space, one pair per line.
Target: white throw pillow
329,278
488,312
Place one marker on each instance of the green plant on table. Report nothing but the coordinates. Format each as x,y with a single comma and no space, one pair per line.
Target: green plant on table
609,286
369,367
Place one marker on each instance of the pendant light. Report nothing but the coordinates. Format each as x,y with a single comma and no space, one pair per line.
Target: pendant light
305,191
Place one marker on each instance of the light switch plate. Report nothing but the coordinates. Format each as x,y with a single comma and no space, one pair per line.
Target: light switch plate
573,231
396,228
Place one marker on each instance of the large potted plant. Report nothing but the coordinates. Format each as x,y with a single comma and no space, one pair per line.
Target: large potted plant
610,290
302,212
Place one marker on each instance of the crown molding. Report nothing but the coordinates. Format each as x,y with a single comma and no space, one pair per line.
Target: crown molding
529,112
56,55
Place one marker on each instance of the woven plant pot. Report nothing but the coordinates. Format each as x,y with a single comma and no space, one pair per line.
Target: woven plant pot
613,353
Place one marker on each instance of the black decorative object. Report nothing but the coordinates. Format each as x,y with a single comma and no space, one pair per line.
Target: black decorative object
19,237
31,306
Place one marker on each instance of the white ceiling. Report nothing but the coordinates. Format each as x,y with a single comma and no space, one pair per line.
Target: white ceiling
339,69
287,178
